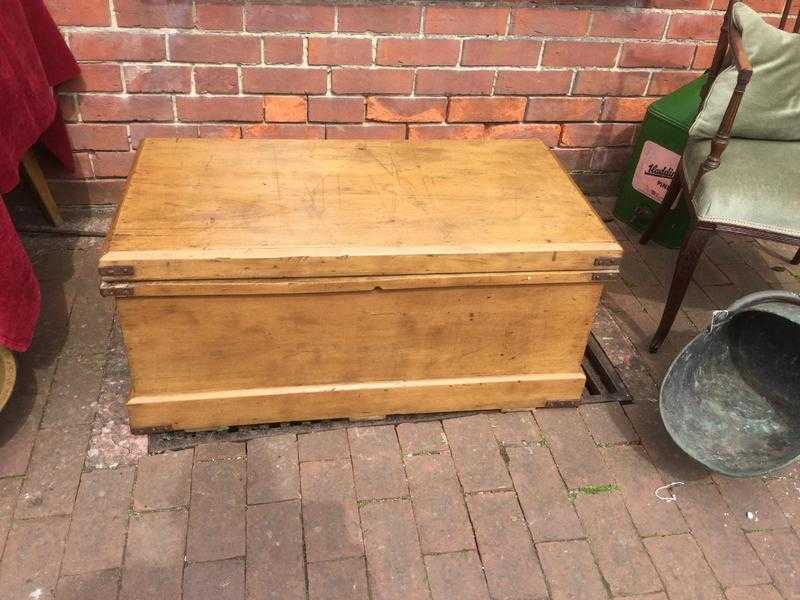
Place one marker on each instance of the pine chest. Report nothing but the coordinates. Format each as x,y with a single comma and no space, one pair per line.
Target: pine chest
271,281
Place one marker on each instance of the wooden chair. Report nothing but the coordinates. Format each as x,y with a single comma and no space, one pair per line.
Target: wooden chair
730,51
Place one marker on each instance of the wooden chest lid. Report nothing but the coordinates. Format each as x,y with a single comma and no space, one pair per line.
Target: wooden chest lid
232,209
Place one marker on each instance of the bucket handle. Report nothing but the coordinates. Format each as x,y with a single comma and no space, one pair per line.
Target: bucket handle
718,317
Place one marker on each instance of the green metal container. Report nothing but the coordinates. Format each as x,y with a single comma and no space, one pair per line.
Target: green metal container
654,162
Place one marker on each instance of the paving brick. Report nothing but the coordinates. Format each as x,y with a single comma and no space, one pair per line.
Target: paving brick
54,472
418,438
515,428
724,545
9,490
751,496
32,558
476,454
217,511
786,493
154,556
97,534
377,466
656,596
217,580
163,480
608,424
780,552
457,575
273,472
100,585
394,560
275,552
510,564
570,571
622,559
323,445
220,451
544,498
330,516
762,592
438,504
638,480
678,560
338,580
574,451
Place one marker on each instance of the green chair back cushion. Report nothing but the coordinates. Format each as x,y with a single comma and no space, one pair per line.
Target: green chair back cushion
770,108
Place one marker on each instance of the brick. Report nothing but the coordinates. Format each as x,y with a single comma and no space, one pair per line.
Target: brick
496,109
330,517
221,108
216,80
86,136
724,545
687,26
101,191
371,81
284,80
100,585
87,13
219,579
9,490
218,15
338,580
628,24
536,83
780,552
95,77
476,454
446,132
112,164
549,134
515,428
783,490
142,47
220,451
607,422
214,48
229,132
637,480
570,570
573,159
217,511
666,82
54,473
273,471
154,555
678,560
762,592
610,83
153,13
296,17
286,131
417,52
461,21
99,521
377,467
339,51
563,109
453,82
510,564
550,22
680,4
656,596
275,569
380,19
336,110
140,131
32,557
579,54
365,132
656,54
163,480
283,50
126,108
324,445
68,107
751,495
625,565
392,547
593,134
158,79
456,575
410,110
439,508
704,55
544,499
524,53
574,451
286,109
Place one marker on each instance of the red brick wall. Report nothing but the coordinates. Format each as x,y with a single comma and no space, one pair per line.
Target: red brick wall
578,77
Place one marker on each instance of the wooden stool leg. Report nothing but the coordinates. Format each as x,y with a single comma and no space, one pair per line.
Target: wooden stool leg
796,259
673,192
46,201
691,249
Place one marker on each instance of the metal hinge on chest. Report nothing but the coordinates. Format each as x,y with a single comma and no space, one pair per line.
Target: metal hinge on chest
116,271
117,290
606,261
607,276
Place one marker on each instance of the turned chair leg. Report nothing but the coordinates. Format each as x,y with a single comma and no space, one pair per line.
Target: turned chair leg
673,192
796,259
691,249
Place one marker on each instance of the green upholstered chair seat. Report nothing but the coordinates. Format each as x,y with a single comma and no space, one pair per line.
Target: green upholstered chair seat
756,185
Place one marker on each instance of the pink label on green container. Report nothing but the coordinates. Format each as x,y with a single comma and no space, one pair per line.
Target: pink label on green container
655,170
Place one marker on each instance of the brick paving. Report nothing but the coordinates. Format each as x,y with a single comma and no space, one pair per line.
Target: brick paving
555,503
